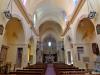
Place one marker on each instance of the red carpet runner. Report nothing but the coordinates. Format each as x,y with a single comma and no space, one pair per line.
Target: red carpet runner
50,70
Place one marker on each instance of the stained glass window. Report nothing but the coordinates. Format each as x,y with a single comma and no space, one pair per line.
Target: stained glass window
34,18
49,44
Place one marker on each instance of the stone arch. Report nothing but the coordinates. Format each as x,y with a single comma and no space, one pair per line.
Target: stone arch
22,21
14,39
85,37
57,37
50,25
49,49
50,18
87,29
49,38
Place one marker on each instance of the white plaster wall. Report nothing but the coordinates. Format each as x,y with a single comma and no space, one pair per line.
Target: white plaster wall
87,47
67,45
12,55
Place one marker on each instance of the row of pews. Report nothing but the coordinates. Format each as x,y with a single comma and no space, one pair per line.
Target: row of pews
63,69
37,69
40,69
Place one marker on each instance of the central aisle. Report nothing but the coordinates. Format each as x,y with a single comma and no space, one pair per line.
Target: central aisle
50,70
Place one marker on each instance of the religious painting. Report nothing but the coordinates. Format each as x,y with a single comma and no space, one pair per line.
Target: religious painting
1,29
98,28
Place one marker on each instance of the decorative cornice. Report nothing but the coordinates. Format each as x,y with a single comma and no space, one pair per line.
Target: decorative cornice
75,13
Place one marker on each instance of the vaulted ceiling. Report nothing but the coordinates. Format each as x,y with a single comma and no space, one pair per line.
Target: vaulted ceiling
50,10
58,11
50,26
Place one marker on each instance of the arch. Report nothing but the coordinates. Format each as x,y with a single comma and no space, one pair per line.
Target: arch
22,22
56,36
85,37
14,39
49,49
80,18
16,22
41,4
47,39
58,14
78,21
86,30
50,18
21,19
50,25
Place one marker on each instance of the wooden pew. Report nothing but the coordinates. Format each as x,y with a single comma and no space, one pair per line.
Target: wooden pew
71,73
37,69
63,69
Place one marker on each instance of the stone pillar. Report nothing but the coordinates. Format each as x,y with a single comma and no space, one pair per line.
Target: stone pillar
25,56
65,56
39,56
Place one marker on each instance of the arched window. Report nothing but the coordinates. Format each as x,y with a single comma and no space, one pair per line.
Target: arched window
34,19
49,43
24,2
65,16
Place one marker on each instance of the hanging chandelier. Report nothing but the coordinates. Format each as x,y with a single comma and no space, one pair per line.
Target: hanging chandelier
92,14
91,9
8,15
8,11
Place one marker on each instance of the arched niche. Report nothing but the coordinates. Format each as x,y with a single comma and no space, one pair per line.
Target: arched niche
85,31
14,39
50,25
85,38
49,44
